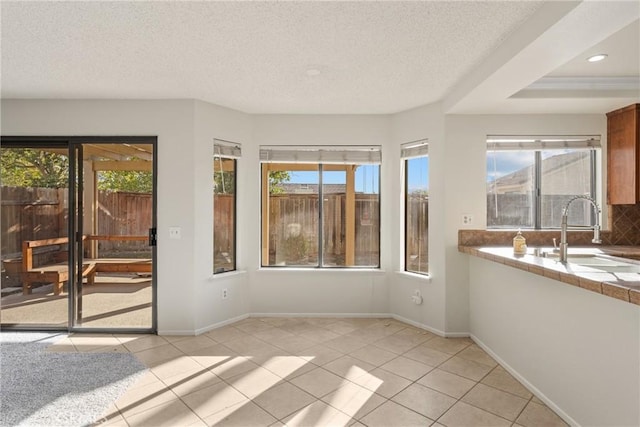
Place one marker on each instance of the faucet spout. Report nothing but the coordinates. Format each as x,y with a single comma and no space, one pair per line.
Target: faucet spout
564,245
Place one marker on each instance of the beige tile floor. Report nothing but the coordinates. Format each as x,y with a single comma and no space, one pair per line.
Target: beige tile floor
316,372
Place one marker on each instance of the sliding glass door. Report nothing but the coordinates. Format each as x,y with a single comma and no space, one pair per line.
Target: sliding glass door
34,192
78,234
114,224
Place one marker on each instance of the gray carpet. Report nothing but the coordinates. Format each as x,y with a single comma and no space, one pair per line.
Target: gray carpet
40,388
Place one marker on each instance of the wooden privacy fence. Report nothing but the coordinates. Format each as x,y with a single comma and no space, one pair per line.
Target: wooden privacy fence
417,226
302,209
31,214
128,214
41,213
223,237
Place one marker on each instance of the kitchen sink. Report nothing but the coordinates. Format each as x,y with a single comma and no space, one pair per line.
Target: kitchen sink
599,262
606,264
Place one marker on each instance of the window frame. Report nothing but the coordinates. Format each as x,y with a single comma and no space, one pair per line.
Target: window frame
409,151
228,151
318,166
537,145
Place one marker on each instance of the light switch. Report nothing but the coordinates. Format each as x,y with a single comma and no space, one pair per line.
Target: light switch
175,233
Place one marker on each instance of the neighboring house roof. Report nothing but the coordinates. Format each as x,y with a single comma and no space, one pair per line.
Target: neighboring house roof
523,176
296,188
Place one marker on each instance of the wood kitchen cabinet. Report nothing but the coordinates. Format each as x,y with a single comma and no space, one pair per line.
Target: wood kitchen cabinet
623,156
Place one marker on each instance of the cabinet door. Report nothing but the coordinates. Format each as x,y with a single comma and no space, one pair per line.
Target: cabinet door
622,157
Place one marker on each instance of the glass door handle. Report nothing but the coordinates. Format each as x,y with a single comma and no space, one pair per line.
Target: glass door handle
153,239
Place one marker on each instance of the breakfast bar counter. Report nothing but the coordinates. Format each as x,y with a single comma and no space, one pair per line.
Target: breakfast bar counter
621,284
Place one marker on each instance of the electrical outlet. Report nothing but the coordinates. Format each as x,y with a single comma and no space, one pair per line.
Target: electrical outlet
225,293
175,233
417,297
467,219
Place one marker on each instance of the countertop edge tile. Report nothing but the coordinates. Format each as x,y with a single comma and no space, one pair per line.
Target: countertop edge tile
634,296
615,291
591,285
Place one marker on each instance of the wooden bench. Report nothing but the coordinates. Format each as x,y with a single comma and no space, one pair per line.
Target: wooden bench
58,273
120,265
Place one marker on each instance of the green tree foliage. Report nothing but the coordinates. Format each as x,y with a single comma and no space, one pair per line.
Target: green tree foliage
275,179
26,167
224,183
224,180
130,181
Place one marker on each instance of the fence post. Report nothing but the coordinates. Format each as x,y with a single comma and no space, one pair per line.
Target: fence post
350,217
265,214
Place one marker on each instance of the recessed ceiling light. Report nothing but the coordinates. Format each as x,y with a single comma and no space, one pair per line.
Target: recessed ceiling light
596,58
313,72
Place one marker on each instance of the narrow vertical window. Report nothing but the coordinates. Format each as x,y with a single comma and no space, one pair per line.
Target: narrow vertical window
320,206
224,205
415,156
531,178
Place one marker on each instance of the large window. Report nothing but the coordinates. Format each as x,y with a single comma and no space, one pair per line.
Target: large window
531,179
224,206
320,206
415,156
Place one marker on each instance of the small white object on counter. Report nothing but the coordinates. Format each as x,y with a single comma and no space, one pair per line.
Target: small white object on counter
519,244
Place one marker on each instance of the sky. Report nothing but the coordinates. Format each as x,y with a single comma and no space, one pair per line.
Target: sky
367,177
501,163
418,178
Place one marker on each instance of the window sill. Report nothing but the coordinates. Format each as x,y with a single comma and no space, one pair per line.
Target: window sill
228,274
321,270
425,277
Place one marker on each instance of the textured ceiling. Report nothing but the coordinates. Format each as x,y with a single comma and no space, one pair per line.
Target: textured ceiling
373,57
623,49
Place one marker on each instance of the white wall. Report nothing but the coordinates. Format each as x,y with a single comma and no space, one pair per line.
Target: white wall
419,123
457,156
189,297
212,122
181,280
464,178
274,291
579,349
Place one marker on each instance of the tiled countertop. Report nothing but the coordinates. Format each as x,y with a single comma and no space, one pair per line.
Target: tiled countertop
622,286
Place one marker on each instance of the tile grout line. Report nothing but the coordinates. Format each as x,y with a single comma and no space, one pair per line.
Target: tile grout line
344,380
524,407
482,409
437,391
467,392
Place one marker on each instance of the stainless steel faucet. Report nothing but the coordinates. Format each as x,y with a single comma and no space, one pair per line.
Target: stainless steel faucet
564,227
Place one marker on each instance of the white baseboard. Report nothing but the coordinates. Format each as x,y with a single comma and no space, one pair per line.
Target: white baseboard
456,334
566,417
221,324
336,315
245,316
189,333
319,315
431,329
